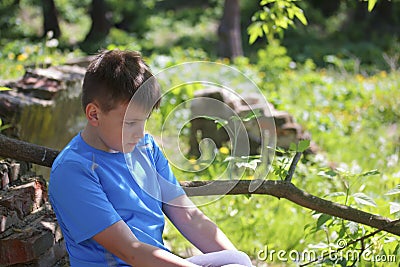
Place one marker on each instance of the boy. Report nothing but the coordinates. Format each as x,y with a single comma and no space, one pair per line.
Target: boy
111,186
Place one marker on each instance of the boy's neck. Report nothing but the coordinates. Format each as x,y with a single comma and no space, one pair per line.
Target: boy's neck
89,135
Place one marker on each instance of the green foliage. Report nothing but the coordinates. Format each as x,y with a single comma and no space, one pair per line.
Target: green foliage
8,19
72,10
122,40
3,126
371,4
330,32
168,32
16,55
274,18
273,60
300,147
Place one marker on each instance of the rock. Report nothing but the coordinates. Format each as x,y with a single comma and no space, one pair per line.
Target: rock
214,102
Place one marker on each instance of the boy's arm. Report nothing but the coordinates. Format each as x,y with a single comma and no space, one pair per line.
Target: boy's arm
196,226
120,241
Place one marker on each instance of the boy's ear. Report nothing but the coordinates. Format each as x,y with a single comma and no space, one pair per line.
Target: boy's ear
92,111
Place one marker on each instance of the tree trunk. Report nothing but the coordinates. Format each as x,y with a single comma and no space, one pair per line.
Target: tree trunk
230,37
50,19
100,26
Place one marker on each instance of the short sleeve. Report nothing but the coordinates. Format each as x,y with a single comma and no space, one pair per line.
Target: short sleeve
170,187
79,201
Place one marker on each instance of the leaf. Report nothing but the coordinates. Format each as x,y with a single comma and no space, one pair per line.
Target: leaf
265,2
371,4
300,15
282,22
255,31
280,150
308,225
217,120
291,12
363,199
327,174
322,220
397,249
265,28
342,261
253,38
3,88
252,115
342,231
353,227
293,147
248,196
369,173
394,207
303,145
394,191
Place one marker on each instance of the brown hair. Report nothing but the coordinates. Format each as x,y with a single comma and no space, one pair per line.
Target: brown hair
114,76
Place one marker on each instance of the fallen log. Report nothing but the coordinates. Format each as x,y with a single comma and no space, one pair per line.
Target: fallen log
44,156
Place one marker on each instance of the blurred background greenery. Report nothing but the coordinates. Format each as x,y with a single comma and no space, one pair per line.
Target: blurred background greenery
342,28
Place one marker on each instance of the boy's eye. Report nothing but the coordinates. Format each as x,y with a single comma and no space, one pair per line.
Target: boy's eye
130,123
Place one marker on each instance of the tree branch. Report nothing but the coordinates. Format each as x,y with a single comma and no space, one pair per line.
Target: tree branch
20,150
24,151
287,190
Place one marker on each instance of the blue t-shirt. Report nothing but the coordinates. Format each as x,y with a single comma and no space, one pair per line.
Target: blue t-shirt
91,189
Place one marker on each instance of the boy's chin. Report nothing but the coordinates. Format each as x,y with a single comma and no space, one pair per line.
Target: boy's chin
128,148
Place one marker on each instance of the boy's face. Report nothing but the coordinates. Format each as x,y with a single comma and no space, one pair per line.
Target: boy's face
121,128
